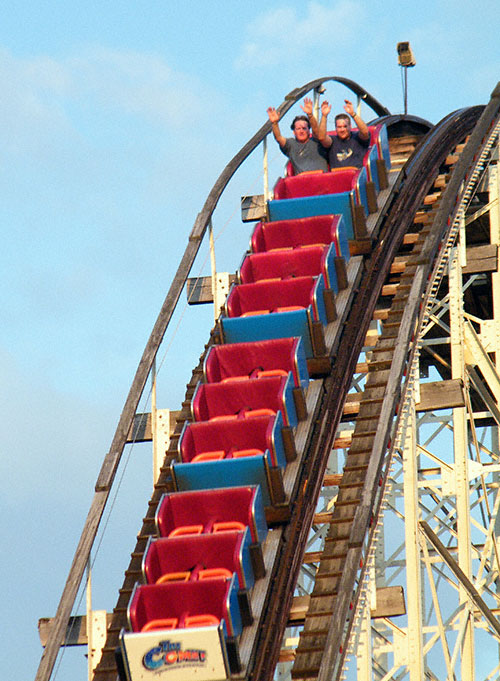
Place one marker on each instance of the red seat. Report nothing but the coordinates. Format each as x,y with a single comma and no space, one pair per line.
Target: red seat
221,400
230,437
190,558
180,604
256,298
205,507
337,181
321,229
224,362
307,261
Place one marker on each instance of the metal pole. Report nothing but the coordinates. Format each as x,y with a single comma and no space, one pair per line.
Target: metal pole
406,88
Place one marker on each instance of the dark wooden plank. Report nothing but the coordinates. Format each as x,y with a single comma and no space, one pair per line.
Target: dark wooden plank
482,258
199,289
253,208
433,396
390,603
141,427
76,632
441,395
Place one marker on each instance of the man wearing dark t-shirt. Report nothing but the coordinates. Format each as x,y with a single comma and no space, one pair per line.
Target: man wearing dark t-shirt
346,148
304,152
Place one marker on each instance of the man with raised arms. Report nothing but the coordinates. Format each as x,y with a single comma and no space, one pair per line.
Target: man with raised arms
304,152
346,148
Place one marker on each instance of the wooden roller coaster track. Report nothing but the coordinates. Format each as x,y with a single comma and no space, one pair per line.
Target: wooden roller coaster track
412,221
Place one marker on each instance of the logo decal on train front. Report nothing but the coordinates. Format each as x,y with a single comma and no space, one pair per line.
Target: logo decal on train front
170,654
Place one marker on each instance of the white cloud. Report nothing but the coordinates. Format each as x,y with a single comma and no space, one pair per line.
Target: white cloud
46,100
134,83
31,104
285,34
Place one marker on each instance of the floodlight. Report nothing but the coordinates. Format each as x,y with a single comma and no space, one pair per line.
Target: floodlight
405,55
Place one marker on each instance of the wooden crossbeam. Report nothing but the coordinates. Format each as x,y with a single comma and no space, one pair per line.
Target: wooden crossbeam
390,602
141,427
434,395
76,632
253,208
482,258
199,289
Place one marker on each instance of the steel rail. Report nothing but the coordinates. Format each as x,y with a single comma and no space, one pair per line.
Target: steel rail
416,179
113,457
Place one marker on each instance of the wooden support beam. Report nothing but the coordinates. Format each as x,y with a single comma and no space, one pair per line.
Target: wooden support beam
141,427
482,258
390,603
199,289
253,208
441,395
76,632
433,396
332,479
360,246
412,237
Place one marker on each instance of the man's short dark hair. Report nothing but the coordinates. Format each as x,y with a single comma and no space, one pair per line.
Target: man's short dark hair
342,116
300,118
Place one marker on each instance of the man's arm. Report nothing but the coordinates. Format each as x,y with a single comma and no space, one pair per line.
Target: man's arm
363,131
325,139
307,108
274,118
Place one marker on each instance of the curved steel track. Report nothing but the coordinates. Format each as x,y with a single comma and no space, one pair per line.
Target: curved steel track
394,220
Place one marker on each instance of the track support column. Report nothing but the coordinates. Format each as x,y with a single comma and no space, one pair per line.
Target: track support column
413,564
460,440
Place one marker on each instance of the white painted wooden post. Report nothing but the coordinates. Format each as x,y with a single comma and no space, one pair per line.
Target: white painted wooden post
413,569
460,439
265,169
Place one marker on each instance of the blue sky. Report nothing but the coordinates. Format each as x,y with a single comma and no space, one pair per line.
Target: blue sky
116,120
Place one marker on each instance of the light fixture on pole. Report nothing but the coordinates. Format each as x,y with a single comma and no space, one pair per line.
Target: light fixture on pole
405,60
